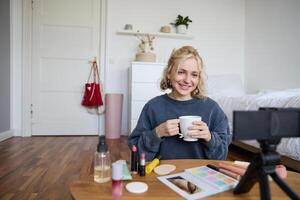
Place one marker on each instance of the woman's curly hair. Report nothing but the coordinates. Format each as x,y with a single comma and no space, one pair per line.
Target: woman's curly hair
177,57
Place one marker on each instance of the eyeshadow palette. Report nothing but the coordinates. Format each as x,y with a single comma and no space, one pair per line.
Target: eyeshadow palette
198,182
212,177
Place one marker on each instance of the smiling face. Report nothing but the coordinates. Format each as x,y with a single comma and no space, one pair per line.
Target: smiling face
184,74
184,79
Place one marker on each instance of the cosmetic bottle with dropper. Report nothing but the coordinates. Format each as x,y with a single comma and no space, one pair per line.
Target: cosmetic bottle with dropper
102,163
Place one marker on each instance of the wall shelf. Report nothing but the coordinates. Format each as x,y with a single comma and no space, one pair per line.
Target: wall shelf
157,34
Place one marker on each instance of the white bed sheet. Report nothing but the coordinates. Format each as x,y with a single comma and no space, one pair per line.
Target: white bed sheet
285,98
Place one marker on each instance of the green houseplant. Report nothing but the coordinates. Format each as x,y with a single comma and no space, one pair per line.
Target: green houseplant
182,24
182,21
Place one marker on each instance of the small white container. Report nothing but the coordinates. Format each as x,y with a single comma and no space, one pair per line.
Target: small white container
181,29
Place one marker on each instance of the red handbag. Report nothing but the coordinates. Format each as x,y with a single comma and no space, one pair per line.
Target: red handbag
92,93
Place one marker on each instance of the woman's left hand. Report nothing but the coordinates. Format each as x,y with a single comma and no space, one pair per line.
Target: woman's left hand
200,130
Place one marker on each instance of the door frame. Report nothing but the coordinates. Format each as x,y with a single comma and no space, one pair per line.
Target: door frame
15,67
27,62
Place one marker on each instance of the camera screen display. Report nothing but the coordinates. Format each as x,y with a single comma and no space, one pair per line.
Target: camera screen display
266,124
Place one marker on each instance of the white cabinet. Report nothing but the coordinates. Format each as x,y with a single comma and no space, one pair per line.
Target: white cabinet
144,79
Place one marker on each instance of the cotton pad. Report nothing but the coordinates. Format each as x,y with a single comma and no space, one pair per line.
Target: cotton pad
164,169
137,187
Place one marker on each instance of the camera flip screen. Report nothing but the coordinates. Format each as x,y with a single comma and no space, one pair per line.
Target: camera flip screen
266,124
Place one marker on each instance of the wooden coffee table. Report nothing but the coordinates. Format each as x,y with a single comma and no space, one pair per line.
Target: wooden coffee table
87,189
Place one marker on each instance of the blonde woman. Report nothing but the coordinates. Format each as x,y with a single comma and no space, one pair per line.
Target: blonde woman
157,129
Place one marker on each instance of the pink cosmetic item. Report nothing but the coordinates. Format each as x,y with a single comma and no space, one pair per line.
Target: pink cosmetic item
117,173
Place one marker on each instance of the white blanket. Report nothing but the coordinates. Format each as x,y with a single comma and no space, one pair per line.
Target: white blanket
286,98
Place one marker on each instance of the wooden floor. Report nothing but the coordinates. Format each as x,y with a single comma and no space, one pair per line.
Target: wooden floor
43,167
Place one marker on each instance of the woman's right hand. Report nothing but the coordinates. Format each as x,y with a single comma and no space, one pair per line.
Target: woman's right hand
168,128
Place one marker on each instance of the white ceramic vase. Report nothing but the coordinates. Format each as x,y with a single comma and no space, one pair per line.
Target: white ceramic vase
181,29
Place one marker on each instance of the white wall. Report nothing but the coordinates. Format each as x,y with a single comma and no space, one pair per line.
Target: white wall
4,67
218,29
272,54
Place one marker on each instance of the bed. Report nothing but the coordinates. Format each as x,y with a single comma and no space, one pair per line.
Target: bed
228,91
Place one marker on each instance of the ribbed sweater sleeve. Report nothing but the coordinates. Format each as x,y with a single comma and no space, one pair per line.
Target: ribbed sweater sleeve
144,137
217,147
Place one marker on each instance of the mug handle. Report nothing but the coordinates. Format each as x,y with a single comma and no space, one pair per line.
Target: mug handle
180,135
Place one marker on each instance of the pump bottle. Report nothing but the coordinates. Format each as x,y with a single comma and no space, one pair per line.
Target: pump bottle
102,163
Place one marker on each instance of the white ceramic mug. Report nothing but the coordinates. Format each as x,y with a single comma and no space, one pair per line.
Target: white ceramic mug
185,123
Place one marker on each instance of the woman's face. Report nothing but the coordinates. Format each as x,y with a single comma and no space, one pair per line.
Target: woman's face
184,79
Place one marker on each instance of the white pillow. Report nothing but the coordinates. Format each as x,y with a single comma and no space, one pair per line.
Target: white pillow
224,85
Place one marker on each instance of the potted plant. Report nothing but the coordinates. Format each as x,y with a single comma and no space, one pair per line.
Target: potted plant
182,24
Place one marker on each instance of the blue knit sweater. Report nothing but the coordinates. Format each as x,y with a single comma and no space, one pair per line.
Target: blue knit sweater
163,108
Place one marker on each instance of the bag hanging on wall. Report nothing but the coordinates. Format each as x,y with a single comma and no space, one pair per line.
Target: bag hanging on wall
92,93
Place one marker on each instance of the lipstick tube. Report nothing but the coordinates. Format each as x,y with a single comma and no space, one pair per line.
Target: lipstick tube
142,165
134,160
